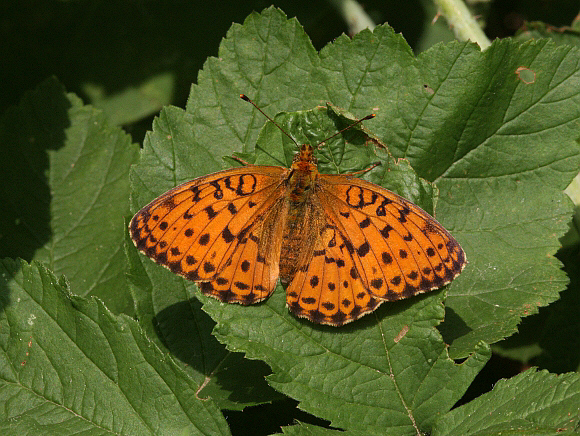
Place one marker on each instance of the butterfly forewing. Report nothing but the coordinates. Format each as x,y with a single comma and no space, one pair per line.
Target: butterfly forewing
208,230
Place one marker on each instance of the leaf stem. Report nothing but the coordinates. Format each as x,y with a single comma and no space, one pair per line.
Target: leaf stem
462,22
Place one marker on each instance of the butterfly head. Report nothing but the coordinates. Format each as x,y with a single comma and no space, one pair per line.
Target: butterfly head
304,160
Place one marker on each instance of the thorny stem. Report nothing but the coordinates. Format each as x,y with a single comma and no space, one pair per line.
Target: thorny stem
462,22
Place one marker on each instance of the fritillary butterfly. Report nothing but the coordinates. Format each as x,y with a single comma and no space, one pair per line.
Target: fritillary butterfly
342,244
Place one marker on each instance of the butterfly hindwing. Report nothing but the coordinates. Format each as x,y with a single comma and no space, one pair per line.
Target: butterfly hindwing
327,289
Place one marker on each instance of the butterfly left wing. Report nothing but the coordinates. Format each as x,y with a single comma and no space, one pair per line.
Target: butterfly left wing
211,230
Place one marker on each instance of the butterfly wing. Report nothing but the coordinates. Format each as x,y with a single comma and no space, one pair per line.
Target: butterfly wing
212,230
381,246
324,290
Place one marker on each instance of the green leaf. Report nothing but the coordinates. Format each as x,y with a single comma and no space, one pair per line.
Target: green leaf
133,103
64,191
531,403
504,192
69,366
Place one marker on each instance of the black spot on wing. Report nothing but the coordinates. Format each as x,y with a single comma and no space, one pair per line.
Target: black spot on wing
210,212
227,235
387,258
363,250
365,223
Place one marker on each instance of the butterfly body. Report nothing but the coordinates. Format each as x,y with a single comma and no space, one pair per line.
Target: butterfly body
302,217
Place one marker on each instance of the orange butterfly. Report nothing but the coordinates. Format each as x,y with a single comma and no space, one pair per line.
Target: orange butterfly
343,245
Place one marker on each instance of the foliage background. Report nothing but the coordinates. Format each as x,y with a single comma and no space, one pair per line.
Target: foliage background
132,59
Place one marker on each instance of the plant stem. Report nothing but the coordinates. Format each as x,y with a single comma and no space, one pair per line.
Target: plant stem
353,14
462,22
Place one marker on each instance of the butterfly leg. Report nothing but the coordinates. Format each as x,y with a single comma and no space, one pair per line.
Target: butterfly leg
366,170
240,160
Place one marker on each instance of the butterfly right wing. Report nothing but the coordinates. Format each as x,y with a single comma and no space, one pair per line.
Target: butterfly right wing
209,230
372,246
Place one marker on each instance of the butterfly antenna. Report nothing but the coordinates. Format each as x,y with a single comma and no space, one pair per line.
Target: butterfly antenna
368,117
246,98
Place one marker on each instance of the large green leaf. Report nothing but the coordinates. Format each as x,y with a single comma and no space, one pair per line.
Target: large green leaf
356,376
65,189
69,366
499,146
532,403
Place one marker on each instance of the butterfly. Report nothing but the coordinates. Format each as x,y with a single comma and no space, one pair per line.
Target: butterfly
342,245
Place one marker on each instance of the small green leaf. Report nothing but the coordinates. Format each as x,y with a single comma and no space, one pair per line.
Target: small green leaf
354,150
304,429
134,102
531,403
69,366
